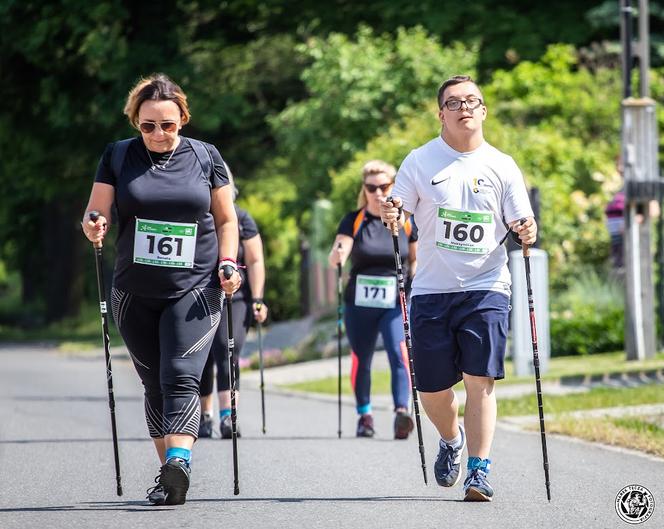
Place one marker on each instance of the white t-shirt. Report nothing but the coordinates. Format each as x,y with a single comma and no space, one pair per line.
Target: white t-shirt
461,202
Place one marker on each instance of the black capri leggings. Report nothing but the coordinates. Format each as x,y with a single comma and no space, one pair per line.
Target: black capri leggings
169,341
242,317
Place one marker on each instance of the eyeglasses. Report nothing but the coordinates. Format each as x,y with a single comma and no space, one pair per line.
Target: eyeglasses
455,104
372,188
148,127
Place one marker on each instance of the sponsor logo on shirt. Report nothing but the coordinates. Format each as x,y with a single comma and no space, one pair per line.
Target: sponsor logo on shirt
480,185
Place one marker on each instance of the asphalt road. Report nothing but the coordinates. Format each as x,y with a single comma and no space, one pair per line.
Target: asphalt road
56,465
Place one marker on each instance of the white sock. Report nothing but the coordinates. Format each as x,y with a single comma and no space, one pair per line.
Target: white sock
454,443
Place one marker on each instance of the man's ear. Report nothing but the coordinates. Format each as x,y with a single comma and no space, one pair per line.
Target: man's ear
441,116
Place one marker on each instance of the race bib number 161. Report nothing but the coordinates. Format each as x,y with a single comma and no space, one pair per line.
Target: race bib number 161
171,244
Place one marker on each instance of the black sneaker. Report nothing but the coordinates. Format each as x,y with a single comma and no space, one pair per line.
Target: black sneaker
403,425
226,427
365,426
157,494
206,426
174,477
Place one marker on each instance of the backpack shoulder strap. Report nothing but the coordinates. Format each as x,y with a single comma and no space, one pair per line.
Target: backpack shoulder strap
118,155
203,155
357,223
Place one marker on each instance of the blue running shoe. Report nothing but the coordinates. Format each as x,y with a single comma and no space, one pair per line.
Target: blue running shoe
477,486
448,463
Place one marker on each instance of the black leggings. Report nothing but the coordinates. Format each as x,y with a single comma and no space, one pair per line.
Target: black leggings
242,317
169,341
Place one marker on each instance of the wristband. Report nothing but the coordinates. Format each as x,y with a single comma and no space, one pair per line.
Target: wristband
227,261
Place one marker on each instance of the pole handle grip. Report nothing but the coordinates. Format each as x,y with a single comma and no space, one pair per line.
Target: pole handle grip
394,227
94,216
525,248
228,271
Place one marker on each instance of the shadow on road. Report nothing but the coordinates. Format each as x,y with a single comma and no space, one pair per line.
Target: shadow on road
48,441
142,506
75,398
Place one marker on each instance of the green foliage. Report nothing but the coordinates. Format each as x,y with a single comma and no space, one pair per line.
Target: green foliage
588,317
266,203
297,96
356,87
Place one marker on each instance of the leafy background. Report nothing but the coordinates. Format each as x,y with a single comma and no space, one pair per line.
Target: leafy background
298,95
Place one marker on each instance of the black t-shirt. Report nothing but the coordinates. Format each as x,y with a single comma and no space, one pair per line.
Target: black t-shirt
373,249
248,230
180,193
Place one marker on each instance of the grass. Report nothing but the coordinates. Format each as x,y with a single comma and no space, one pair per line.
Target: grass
558,367
643,433
80,333
593,399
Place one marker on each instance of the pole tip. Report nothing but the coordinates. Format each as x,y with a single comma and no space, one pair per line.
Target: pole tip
119,490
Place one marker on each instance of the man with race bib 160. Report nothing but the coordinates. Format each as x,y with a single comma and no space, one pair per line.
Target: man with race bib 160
465,196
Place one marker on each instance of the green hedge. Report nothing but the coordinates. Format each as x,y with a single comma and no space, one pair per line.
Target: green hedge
589,317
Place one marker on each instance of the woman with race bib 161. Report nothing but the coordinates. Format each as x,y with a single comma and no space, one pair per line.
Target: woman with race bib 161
177,227
370,299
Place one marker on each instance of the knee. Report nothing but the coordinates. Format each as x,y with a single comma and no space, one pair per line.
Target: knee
482,386
180,385
446,397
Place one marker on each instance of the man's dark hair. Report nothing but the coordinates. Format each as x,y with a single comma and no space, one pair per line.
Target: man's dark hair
451,82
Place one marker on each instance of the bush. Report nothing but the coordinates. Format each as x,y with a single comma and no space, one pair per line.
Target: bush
589,317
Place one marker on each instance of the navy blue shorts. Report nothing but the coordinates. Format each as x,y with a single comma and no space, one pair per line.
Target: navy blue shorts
459,332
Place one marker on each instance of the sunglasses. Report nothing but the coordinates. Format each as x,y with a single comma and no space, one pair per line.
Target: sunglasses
372,188
148,127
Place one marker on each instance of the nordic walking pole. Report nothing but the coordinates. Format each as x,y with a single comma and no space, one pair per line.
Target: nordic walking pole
94,215
409,345
228,272
538,383
339,319
259,306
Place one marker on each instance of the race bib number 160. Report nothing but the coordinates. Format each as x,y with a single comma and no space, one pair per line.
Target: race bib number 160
158,243
465,231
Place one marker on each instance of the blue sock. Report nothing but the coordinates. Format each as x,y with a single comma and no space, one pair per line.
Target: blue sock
477,462
224,413
182,453
363,410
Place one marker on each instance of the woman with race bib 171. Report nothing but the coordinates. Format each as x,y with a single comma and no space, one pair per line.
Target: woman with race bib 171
177,227
370,299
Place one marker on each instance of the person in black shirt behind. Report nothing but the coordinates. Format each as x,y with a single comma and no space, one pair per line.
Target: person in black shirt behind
248,305
176,224
370,299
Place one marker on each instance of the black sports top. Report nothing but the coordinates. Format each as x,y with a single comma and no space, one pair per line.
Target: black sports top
248,230
373,249
180,193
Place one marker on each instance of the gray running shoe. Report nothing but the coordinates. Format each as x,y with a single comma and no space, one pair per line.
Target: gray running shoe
447,468
477,486
205,427
403,425
365,426
226,428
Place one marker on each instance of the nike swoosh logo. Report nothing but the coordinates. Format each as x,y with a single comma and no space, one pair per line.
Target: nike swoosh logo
436,182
